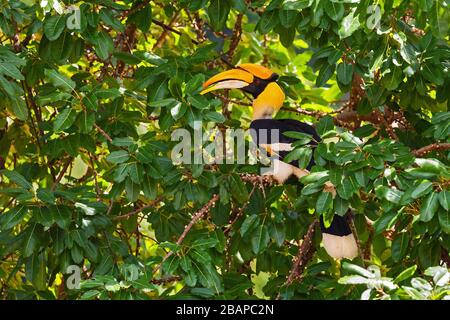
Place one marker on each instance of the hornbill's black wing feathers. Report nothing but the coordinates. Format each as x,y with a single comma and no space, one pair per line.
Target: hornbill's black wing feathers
338,239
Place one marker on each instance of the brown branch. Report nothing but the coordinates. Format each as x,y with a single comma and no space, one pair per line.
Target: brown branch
305,253
169,28
103,133
197,216
314,113
97,188
198,25
265,181
61,173
163,35
368,247
240,212
351,224
430,148
166,280
237,34
136,211
128,43
445,256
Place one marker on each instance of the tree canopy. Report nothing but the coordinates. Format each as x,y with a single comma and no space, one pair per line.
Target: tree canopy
91,92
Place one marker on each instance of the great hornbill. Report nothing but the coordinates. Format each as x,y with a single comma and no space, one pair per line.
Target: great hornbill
260,82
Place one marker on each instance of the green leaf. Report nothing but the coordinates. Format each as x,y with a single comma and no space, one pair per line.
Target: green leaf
238,189
132,190
169,102
344,73
422,189
349,24
62,215
324,202
334,10
90,101
429,207
346,189
149,187
35,271
444,199
406,274
218,12
105,265
314,177
287,17
86,121
109,19
45,195
103,45
19,108
400,246
30,243
287,36
385,222
393,79
80,238
59,80
64,120
444,220
390,194
303,155
54,26
250,223
325,74
136,172
119,156
297,4
268,21
142,18
12,217
340,206
17,178
199,102
260,239
324,125
10,70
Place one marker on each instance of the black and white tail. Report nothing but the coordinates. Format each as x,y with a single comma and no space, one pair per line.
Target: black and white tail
338,239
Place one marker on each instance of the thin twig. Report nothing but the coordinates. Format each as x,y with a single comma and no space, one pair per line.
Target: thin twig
103,133
163,35
136,211
240,211
305,253
62,173
432,147
197,216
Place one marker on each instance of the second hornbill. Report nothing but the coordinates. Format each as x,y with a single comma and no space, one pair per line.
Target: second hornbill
260,82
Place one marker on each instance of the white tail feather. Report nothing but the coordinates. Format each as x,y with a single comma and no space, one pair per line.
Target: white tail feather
340,247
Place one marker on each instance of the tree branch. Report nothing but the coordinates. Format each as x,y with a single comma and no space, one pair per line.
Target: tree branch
103,133
163,35
132,213
305,253
197,216
237,33
61,173
432,147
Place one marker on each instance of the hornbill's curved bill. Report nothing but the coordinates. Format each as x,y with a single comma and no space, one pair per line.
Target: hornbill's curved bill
259,81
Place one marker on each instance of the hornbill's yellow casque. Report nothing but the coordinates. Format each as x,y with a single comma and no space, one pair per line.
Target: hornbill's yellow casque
259,81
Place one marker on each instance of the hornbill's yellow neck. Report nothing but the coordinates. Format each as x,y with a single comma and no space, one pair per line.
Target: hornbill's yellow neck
254,79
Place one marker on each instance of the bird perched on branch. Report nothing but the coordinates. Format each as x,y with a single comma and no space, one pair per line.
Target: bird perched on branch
260,82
